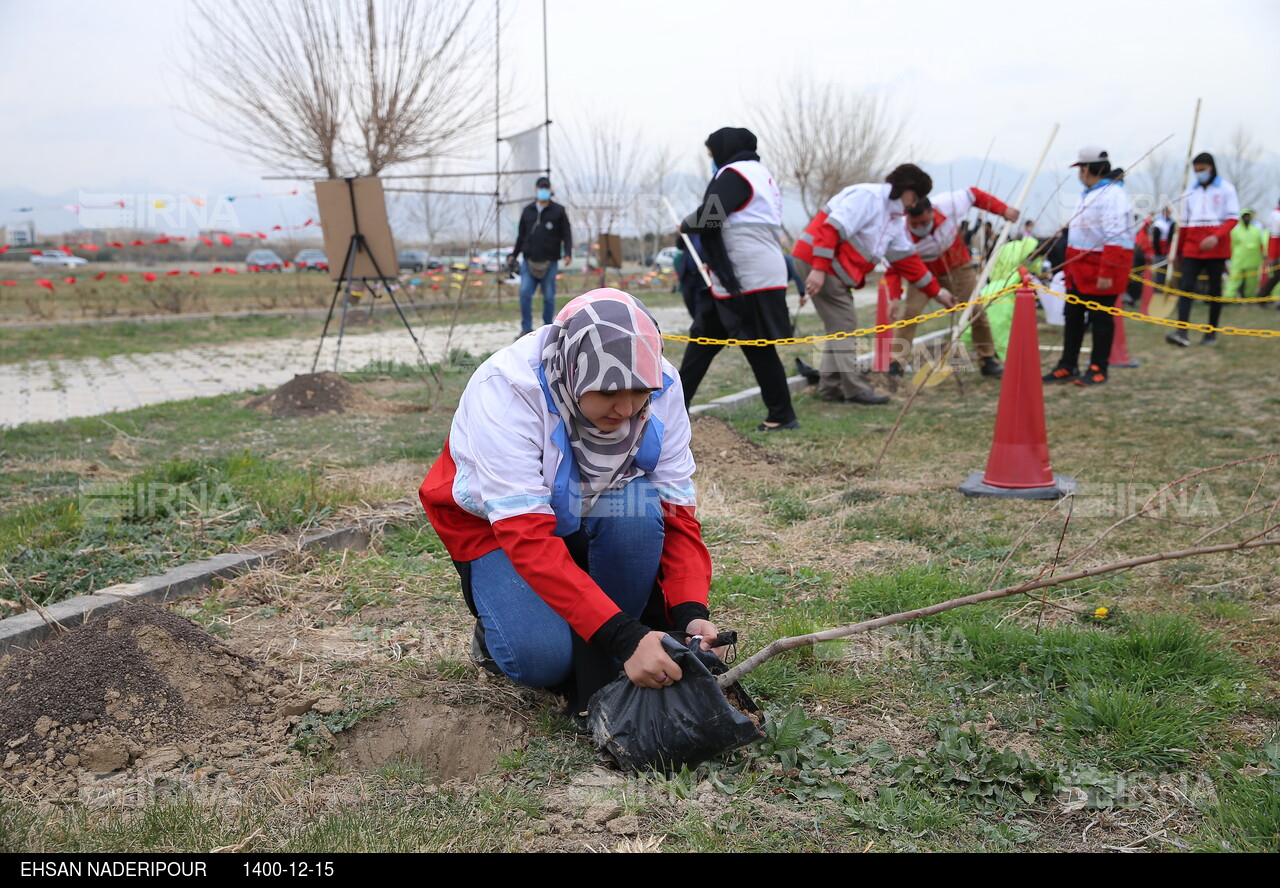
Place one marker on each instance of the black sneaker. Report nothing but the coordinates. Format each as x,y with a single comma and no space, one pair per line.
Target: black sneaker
1209,339
786,426
868,397
1094,376
1177,338
480,652
1060,374
992,367
895,369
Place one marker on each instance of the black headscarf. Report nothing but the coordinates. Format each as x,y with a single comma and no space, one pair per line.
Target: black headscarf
728,142
728,145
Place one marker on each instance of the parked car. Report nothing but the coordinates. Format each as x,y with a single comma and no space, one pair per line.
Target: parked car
264,260
491,261
665,259
415,260
58,258
311,260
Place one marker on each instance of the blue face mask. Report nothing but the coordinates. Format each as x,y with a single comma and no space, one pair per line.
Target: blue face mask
1204,177
544,194
922,230
714,169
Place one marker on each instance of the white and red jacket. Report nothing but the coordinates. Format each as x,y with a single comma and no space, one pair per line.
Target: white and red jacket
1212,209
943,249
503,481
1100,241
1161,232
855,230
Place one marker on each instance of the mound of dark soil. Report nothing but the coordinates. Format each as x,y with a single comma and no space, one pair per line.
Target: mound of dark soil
138,691
723,454
323,394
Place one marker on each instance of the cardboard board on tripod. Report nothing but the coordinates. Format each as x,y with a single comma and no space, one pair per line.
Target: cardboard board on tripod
340,210
611,251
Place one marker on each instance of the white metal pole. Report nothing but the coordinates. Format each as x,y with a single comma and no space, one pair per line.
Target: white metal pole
688,244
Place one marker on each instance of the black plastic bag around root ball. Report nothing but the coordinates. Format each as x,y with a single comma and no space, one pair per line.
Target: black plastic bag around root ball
664,729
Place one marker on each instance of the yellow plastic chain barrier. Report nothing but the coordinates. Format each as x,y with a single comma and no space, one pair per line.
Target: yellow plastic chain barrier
1175,292
1161,322
843,334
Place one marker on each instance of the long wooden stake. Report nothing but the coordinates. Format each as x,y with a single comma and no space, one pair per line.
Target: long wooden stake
1186,176
785,644
1004,236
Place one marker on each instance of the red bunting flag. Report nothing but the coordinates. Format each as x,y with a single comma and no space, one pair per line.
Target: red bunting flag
231,271
148,276
124,278
93,247
4,249
116,244
41,282
36,252
69,280
227,240
207,241
65,249
261,236
161,240
99,276
139,243
217,269
196,273
9,283
170,274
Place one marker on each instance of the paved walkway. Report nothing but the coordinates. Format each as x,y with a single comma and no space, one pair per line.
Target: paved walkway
44,391
41,391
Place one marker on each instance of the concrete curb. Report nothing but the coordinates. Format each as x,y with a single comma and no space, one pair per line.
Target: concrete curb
795,383
27,629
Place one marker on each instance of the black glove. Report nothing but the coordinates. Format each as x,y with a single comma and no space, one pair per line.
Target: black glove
513,266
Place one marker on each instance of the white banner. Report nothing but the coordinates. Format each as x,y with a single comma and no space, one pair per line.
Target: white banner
517,188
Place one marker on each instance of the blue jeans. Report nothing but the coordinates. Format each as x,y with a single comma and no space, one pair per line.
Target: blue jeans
529,283
530,642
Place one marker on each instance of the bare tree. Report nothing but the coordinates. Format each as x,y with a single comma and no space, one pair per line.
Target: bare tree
820,138
601,171
343,87
654,215
1240,165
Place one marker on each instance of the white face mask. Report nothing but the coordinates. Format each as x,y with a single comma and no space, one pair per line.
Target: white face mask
923,230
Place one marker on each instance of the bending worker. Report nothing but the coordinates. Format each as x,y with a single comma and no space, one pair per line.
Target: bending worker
564,497
841,245
933,229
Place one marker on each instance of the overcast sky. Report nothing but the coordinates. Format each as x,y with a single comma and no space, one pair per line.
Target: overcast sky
92,88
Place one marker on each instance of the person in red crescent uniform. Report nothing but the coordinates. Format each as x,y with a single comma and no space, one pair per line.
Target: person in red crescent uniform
1210,209
841,245
565,498
933,229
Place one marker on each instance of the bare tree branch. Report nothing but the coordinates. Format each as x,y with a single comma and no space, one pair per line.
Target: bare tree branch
785,644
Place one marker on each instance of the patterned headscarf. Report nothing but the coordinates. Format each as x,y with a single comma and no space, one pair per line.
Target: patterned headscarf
603,341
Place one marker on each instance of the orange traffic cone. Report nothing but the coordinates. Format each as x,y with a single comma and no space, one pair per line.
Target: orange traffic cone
1018,465
884,338
1120,348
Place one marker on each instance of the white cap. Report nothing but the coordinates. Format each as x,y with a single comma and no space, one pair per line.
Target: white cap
1090,154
